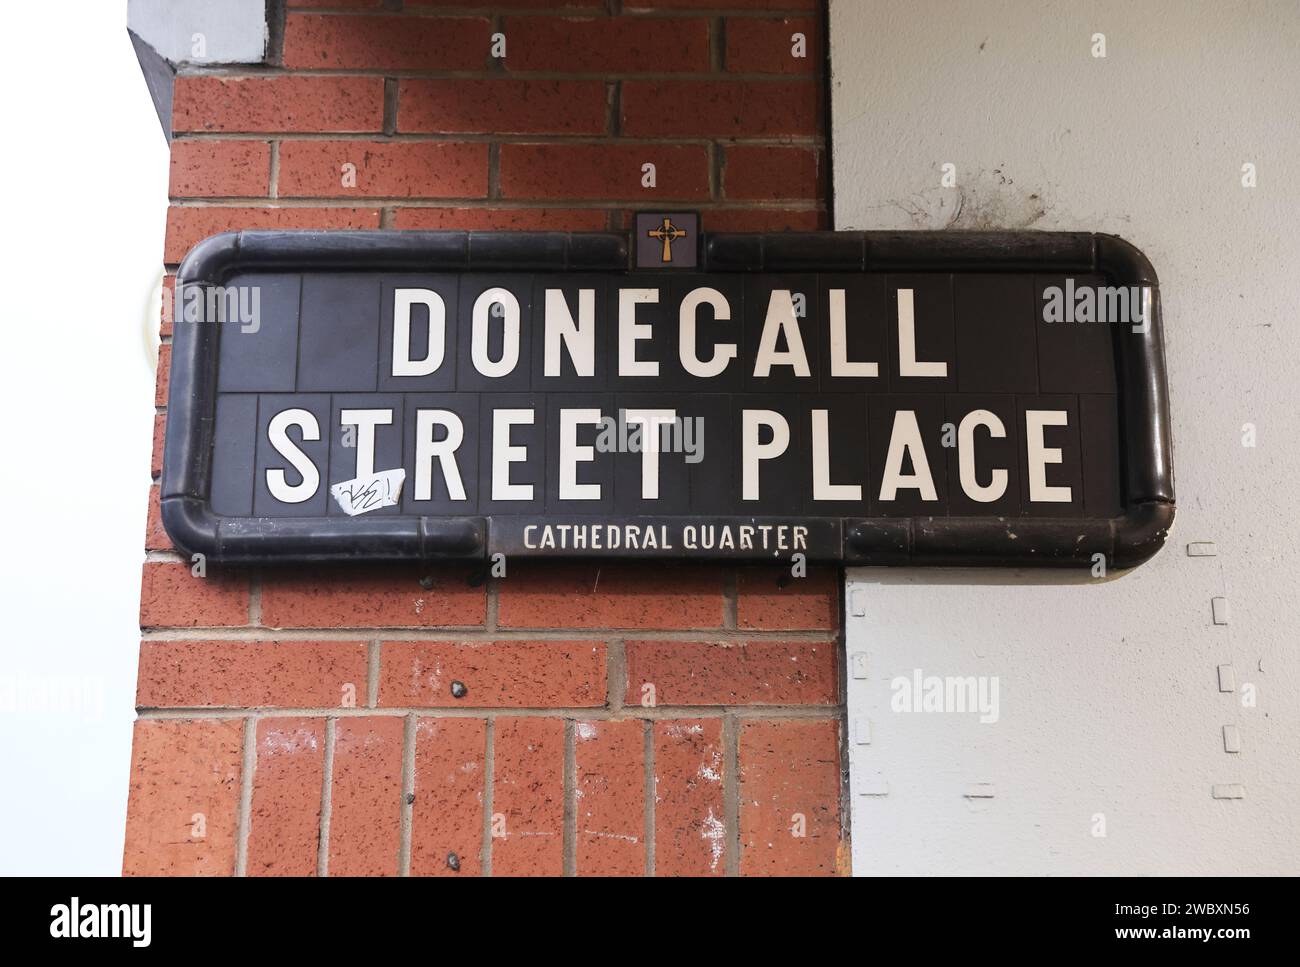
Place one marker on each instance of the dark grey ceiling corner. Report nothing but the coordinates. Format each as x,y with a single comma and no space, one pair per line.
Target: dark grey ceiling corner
159,77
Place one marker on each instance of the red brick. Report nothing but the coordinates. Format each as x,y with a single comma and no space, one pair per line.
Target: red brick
155,537
159,438
162,375
732,672
721,109
503,219
769,173
168,306
189,225
690,819
502,106
610,791
528,797
447,815
763,220
182,811
769,599
789,769
171,597
370,597
220,168
384,169
366,797
498,674
604,171
385,42
607,45
721,4
761,46
278,102
284,818
612,595
513,4
251,674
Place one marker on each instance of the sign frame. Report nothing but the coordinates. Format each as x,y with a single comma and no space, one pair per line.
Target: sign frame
1125,541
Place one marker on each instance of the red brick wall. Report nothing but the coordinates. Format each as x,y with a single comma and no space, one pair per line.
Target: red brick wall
302,721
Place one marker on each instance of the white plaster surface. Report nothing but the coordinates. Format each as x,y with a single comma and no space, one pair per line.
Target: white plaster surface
1109,692
231,31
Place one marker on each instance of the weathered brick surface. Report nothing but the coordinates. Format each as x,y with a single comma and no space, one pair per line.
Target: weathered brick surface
495,674
366,794
595,596
187,226
251,674
155,537
690,815
607,44
528,797
769,46
278,103
383,169
171,597
284,819
447,814
731,673
770,173
604,171
182,812
789,797
315,42
502,106
502,219
371,597
446,137
720,109
610,790
770,600
219,168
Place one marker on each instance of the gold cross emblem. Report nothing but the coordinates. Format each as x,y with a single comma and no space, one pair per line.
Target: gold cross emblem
667,234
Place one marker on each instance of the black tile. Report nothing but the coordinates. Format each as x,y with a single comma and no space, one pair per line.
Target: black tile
1099,435
338,334
1067,473
348,455
302,416
504,317
994,317
585,300
933,329
260,356
990,455
797,359
884,413
845,447
867,320
592,467
439,292
429,481
234,447
527,435
672,481
777,482
1073,357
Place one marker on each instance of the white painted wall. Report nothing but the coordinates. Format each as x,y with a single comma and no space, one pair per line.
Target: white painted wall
1109,697
202,31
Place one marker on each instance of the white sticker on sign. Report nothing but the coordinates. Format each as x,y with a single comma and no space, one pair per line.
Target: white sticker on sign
364,494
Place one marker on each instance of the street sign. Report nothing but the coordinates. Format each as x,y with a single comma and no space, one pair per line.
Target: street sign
909,398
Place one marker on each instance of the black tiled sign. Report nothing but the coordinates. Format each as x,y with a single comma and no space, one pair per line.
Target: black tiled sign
362,407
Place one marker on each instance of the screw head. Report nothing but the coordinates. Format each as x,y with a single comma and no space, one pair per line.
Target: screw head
453,861
458,690
426,582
